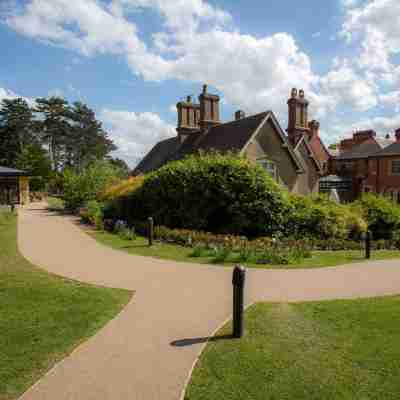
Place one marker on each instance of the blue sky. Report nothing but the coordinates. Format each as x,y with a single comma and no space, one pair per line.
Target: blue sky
132,60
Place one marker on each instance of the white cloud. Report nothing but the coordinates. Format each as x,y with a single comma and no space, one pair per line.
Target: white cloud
343,86
377,24
253,73
135,133
259,74
180,15
382,125
391,99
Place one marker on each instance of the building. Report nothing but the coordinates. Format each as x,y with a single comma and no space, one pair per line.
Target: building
370,163
14,186
296,159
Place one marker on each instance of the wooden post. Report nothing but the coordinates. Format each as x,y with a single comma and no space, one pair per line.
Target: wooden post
151,231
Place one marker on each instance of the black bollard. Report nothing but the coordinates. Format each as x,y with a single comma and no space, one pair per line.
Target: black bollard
12,207
151,231
368,245
238,280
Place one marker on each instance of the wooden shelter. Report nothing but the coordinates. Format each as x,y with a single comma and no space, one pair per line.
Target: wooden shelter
14,186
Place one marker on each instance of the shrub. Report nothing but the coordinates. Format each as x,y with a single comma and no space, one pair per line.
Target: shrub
318,217
93,214
55,204
89,184
214,193
381,214
122,189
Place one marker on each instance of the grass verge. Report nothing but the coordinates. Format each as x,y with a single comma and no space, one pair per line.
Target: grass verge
42,317
179,253
319,350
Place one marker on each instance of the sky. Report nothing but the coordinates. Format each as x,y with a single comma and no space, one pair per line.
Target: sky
133,60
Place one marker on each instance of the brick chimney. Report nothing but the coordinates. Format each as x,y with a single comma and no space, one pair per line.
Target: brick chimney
209,109
314,128
188,118
239,114
397,135
298,116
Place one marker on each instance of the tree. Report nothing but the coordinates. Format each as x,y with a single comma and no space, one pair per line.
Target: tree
16,130
120,164
87,141
89,184
333,146
34,159
55,128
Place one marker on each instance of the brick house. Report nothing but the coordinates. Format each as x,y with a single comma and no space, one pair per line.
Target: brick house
297,159
372,163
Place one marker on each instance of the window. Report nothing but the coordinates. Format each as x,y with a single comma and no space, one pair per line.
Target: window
396,167
269,166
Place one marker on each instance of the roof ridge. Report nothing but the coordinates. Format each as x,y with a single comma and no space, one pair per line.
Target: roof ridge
242,119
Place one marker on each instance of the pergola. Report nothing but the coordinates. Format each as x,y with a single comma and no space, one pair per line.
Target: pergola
14,186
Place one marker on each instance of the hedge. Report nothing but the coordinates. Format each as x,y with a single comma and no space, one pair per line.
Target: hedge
209,192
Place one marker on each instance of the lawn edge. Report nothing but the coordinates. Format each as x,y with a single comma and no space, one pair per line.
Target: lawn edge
75,347
203,347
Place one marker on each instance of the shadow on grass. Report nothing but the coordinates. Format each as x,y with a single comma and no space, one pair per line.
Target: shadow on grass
193,341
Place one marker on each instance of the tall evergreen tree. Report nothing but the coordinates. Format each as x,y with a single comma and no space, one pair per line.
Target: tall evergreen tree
16,130
88,141
55,128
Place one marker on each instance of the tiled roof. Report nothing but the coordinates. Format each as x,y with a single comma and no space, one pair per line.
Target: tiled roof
364,150
232,135
224,137
393,149
157,156
4,171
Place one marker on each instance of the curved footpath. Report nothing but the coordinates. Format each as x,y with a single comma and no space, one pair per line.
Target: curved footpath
142,354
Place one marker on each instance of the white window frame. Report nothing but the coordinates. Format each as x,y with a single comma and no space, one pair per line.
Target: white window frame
269,166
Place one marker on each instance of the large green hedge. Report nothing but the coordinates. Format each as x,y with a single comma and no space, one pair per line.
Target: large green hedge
381,214
320,218
214,193
228,194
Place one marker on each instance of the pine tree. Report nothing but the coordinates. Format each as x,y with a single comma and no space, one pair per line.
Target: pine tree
55,128
16,130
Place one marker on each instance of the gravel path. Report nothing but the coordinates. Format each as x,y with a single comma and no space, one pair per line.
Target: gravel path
147,351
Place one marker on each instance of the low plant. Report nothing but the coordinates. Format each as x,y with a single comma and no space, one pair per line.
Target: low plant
198,251
92,214
122,229
221,254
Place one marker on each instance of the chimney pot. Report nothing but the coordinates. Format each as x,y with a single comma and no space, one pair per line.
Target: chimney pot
397,135
204,89
294,93
189,99
387,136
239,114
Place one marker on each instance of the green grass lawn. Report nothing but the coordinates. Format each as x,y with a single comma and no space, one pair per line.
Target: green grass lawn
319,350
42,317
180,253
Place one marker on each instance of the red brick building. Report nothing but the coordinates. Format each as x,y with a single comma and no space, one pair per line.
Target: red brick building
372,163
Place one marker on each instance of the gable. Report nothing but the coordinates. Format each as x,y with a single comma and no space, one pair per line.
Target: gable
267,143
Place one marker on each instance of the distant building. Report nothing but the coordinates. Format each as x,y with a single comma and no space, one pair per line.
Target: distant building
14,186
371,163
297,159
